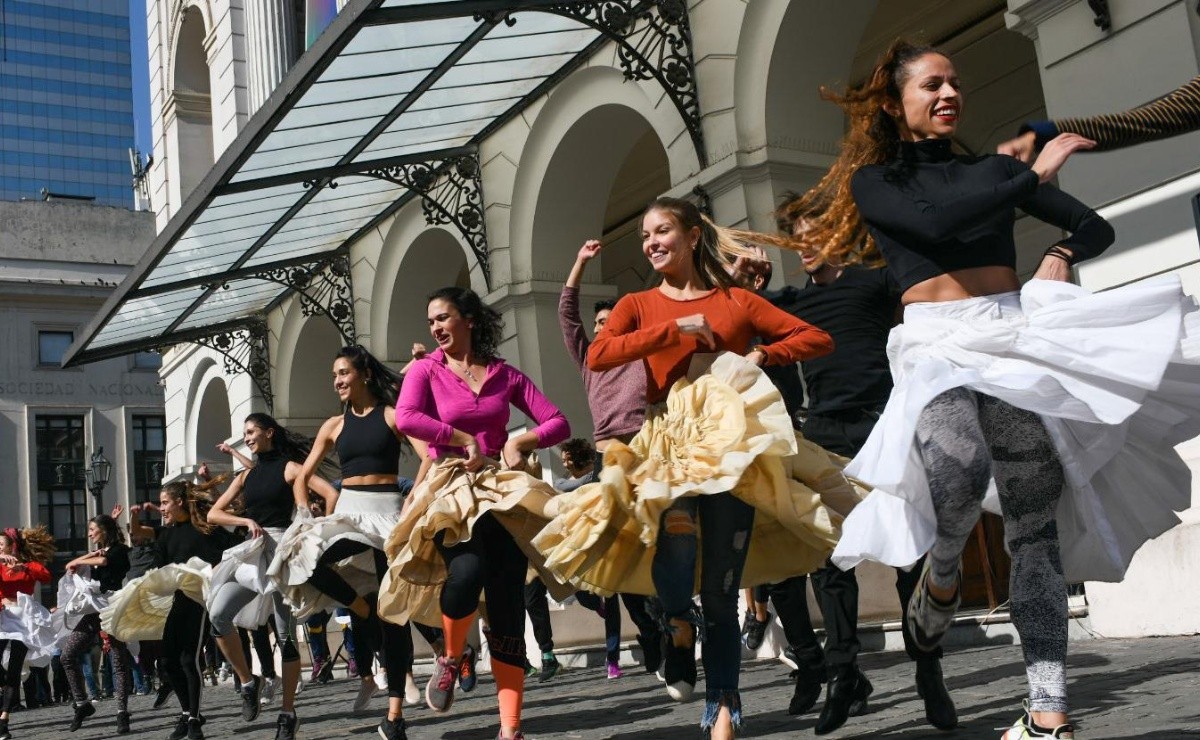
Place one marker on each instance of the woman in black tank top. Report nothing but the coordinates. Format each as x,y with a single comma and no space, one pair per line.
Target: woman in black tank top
338,560
268,503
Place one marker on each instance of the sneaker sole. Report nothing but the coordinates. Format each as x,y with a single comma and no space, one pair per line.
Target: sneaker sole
681,691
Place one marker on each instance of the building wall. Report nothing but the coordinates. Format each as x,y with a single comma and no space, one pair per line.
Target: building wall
58,263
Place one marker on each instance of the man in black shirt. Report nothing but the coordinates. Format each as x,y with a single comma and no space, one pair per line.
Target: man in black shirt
846,392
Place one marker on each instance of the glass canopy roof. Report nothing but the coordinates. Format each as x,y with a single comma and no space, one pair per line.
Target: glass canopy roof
389,83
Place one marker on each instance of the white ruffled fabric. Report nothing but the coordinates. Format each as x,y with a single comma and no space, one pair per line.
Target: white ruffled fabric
78,597
247,565
139,610
1116,379
29,622
367,517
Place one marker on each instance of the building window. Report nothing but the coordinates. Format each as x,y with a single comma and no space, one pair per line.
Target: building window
52,345
61,498
147,360
149,456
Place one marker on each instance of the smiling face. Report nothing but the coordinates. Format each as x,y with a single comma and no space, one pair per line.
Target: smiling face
667,245
169,507
347,380
810,256
259,440
449,328
931,101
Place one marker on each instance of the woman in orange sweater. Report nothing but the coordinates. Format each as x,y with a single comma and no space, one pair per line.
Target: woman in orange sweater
708,461
23,557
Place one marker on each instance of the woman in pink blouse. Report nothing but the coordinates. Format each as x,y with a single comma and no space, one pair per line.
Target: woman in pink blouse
468,525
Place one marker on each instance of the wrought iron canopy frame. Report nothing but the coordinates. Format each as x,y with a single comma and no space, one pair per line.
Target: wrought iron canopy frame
206,272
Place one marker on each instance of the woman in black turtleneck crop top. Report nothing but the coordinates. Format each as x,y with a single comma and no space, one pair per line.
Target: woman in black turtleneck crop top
932,212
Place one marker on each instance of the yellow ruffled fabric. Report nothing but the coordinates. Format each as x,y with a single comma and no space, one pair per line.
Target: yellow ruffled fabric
723,427
451,500
139,610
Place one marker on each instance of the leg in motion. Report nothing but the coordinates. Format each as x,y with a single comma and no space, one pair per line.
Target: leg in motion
837,594
504,575
673,570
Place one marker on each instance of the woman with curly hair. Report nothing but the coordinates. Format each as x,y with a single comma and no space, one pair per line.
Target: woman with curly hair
337,559
1058,400
467,527
239,590
107,565
716,477
187,546
24,555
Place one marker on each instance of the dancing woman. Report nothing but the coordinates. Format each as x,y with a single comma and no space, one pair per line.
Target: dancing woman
468,525
24,555
239,589
109,563
337,560
702,462
1046,392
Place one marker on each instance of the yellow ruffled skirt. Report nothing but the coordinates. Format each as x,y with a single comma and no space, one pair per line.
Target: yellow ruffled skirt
723,428
139,610
451,500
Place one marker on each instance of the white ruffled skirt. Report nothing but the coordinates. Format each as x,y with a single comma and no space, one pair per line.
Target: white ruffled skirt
366,517
1107,373
139,610
29,622
77,597
247,565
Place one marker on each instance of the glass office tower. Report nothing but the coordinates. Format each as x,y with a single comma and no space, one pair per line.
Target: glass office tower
66,100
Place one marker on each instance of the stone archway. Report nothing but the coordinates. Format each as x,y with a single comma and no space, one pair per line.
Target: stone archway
213,421
189,106
306,398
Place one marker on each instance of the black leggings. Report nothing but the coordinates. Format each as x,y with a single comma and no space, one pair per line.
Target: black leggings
81,639
372,633
10,694
185,629
489,562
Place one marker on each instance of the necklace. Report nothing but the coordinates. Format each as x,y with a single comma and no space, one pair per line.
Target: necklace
464,368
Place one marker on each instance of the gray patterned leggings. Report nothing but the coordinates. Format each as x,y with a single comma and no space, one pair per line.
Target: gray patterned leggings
80,641
966,439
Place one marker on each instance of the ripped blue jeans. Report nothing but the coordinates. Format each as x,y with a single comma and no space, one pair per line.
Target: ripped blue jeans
725,522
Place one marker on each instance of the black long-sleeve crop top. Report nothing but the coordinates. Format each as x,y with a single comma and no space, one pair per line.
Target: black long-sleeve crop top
932,212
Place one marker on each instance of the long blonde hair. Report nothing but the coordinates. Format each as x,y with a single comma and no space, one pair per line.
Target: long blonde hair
717,246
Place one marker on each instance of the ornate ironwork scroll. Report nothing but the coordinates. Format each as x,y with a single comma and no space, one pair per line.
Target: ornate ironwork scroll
451,192
654,41
324,288
245,351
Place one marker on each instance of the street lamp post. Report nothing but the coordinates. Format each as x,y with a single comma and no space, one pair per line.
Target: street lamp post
97,474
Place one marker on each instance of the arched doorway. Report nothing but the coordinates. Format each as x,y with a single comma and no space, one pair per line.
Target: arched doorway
434,259
308,398
191,104
213,424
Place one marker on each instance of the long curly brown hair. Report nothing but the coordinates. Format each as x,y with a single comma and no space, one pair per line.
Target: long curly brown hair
197,498
834,224
32,545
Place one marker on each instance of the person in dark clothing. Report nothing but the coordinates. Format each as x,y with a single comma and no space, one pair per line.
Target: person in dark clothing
109,564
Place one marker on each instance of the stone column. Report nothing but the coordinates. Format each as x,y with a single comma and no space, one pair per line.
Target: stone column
270,47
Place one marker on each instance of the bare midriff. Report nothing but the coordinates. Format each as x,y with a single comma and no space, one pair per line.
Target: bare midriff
369,480
969,283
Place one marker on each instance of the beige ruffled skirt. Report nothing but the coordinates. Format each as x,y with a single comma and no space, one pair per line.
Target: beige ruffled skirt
723,428
451,500
139,610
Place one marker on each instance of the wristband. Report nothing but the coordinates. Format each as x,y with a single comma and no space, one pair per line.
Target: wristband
1062,254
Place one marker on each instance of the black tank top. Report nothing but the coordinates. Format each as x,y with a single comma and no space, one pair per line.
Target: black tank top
367,446
266,494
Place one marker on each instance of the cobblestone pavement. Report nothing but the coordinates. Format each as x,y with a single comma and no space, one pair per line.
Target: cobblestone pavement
1120,690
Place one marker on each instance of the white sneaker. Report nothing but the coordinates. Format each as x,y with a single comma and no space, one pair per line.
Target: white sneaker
270,687
1023,729
366,690
412,693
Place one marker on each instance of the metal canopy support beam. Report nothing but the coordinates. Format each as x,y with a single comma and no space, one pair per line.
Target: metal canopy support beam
324,288
654,41
451,193
244,348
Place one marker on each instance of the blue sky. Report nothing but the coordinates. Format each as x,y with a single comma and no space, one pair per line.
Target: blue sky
139,57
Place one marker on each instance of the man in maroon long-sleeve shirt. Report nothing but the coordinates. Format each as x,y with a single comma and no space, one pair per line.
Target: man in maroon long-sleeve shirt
617,399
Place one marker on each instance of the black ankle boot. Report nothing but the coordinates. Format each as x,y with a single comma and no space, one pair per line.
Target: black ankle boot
939,707
847,695
808,690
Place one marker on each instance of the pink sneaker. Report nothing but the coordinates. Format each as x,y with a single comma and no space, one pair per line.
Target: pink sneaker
614,670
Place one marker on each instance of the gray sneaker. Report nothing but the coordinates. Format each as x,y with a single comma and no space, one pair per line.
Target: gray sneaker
927,618
285,727
439,692
250,699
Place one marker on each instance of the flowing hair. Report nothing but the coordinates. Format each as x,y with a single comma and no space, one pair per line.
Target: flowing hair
717,246
382,382
292,446
487,326
110,533
872,137
32,545
196,498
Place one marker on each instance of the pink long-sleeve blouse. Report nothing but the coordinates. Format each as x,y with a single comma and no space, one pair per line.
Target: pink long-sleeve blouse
434,402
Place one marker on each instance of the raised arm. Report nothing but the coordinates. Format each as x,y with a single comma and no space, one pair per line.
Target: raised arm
568,304
136,528
228,449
